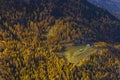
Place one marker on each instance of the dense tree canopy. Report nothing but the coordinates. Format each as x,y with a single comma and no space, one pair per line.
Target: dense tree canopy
31,33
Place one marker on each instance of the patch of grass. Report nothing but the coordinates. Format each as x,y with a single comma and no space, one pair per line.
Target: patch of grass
74,54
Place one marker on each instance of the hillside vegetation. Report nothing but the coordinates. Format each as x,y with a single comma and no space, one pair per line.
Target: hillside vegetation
31,33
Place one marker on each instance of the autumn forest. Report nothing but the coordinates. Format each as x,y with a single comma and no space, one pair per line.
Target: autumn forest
58,40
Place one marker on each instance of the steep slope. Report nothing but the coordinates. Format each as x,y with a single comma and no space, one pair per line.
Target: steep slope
31,30
112,6
95,24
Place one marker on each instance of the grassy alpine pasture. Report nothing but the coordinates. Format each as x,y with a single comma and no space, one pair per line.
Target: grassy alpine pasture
74,54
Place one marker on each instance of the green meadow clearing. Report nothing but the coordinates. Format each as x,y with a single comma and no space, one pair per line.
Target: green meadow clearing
74,54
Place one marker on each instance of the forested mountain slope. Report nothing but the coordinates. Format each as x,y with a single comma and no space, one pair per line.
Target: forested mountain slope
32,30
92,23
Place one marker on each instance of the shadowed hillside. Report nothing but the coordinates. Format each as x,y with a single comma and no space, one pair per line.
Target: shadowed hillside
113,6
